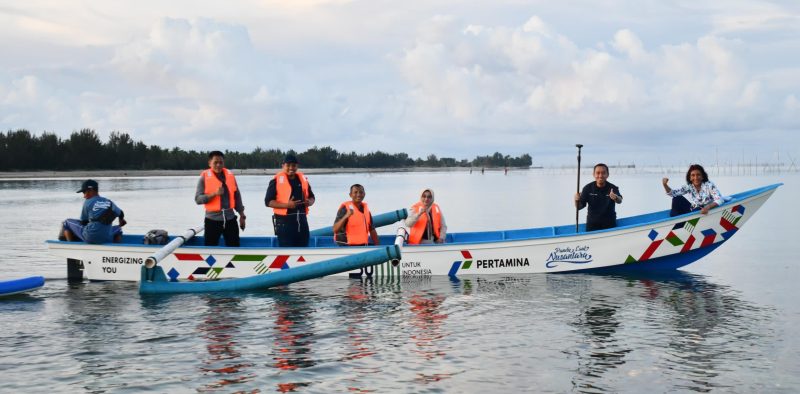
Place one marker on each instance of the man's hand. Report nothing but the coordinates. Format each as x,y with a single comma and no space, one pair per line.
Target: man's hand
613,196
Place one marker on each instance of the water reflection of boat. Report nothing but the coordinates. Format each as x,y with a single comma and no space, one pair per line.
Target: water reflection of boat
646,326
646,242
219,326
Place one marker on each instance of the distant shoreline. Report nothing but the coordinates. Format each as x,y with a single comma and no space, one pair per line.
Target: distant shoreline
249,171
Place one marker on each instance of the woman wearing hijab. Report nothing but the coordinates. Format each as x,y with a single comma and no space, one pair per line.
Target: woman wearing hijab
426,221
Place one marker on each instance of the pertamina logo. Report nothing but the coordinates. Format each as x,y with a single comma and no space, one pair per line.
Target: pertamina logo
469,261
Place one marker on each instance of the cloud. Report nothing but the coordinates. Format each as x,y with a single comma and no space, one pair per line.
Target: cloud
511,76
203,81
760,17
466,73
628,43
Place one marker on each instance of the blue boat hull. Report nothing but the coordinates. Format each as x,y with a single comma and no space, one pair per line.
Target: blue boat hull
661,264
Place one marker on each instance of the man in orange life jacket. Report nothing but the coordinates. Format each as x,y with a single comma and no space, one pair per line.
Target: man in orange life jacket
426,221
218,191
353,225
289,195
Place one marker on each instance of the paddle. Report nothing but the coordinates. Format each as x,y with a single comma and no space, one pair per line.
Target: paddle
167,249
579,146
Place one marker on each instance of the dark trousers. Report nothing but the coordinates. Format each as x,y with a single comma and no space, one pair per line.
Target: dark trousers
602,224
291,230
228,229
681,205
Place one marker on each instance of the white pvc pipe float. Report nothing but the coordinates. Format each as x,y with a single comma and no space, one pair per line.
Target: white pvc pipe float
171,246
399,240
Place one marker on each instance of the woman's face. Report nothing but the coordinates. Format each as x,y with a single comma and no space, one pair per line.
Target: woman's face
696,177
426,198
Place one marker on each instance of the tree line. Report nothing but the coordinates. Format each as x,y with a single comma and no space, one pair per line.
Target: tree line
21,150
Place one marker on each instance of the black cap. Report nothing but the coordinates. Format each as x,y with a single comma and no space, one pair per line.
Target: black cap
87,185
289,159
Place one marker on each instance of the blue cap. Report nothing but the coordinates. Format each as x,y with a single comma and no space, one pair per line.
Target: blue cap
88,184
289,159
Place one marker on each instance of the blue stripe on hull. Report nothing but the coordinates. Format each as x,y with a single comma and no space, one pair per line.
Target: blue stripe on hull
671,262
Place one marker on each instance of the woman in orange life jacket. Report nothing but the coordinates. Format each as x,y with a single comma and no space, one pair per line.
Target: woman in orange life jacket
289,195
426,221
353,224
218,191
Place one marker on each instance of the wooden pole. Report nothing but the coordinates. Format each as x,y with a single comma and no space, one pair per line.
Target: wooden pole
579,146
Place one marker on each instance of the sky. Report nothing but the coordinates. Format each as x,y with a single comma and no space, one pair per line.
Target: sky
634,81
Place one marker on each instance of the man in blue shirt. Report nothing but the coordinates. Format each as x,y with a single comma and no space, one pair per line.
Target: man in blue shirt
98,214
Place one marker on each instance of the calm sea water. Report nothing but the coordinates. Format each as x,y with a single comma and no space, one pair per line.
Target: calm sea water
727,323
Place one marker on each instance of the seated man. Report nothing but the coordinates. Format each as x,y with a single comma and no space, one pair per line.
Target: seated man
353,225
98,213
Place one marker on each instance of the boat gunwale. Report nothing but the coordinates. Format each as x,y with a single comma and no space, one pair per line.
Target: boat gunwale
735,199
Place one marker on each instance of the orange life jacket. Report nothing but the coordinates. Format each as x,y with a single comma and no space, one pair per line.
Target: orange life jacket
358,224
418,230
284,190
213,183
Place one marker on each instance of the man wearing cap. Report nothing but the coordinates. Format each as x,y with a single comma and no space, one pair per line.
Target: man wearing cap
98,214
289,195
218,191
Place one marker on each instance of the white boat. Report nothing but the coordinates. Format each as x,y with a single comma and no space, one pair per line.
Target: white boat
646,242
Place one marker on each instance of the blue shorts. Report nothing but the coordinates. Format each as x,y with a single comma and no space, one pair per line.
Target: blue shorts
76,228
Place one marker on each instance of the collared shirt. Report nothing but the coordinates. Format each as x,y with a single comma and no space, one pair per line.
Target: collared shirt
297,195
708,193
602,209
97,228
201,198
